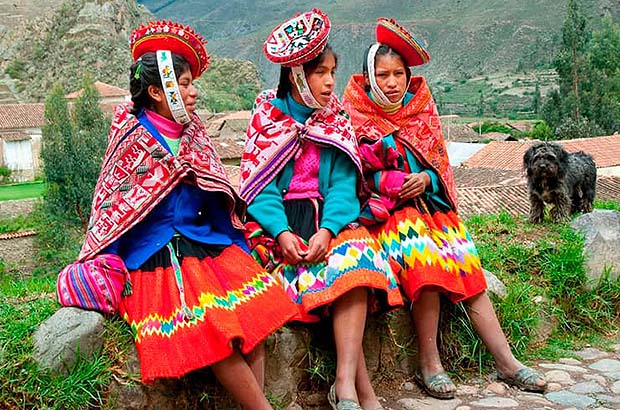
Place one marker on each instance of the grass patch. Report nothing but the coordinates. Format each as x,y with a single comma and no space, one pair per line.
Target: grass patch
24,305
19,223
22,191
611,205
541,266
543,269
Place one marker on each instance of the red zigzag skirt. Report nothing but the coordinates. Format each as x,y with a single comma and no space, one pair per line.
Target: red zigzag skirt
187,312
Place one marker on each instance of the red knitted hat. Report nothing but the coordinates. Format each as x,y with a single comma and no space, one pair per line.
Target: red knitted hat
167,35
392,34
298,40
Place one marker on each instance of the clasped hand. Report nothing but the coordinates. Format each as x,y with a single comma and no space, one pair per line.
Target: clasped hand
414,185
295,251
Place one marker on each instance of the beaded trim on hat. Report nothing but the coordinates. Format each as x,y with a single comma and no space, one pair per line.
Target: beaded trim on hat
298,40
157,32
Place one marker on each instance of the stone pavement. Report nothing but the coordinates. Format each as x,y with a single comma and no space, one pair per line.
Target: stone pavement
590,382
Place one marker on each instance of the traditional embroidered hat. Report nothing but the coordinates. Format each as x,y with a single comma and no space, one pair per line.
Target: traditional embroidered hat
167,35
392,34
298,40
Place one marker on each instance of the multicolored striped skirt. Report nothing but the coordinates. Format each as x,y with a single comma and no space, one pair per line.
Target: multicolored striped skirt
433,249
354,259
192,304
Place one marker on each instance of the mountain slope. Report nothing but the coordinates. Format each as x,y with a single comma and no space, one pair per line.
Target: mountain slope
466,38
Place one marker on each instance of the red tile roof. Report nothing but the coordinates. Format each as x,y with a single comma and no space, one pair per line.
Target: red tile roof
14,136
20,116
514,199
508,155
479,177
228,148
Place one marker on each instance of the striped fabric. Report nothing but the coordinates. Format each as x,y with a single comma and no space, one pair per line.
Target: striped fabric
96,284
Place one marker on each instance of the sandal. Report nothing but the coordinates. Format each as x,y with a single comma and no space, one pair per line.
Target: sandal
432,385
342,404
525,379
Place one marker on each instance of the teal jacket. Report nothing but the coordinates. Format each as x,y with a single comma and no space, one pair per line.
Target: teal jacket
337,185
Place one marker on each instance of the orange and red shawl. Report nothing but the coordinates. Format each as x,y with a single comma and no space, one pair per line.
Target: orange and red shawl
138,172
273,139
416,126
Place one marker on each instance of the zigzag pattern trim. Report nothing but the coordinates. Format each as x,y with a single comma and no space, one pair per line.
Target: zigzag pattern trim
350,255
415,244
155,324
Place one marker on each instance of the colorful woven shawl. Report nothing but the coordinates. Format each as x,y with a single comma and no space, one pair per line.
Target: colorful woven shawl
273,138
137,172
416,126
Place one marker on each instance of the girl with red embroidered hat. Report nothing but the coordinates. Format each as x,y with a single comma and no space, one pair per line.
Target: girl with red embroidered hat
413,204
299,174
164,204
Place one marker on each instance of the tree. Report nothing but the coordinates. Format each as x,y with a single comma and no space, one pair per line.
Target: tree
72,148
572,57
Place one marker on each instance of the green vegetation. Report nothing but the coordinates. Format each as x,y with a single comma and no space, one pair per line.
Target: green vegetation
24,305
72,147
228,85
19,223
541,266
587,102
22,191
5,175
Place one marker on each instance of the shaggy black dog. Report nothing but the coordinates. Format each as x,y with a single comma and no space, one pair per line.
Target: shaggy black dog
565,180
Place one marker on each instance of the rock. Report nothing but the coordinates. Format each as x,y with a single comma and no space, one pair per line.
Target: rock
601,229
285,362
390,343
463,408
609,399
66,334
597,378
615,388
407,386
429,403
294,406
559,376
570,361
567,398
534,398
587,388
606,365
590,353
554,387
613,375
565,367
495,285
466,390
497,388
496,402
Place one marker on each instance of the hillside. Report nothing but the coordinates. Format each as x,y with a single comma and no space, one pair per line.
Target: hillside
51,42
466,38
63,42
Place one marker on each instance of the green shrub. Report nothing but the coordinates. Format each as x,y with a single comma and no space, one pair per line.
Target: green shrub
5,175
15,69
